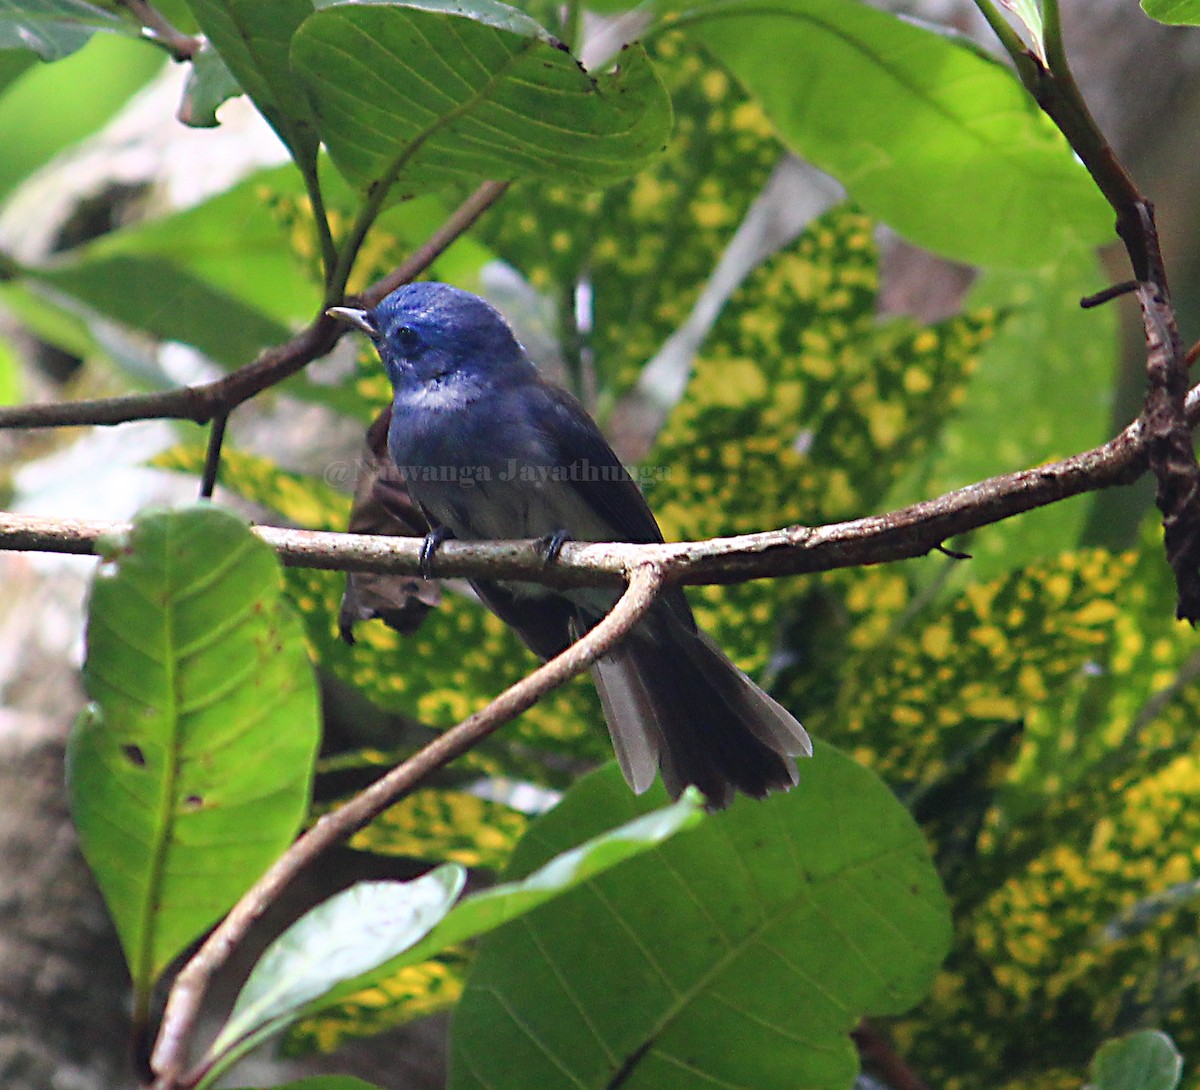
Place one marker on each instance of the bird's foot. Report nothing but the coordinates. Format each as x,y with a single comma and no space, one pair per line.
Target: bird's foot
550,546
430,546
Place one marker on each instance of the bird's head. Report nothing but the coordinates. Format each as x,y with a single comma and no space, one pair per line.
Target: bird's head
430,332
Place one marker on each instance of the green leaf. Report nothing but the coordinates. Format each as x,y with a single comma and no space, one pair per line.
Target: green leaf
439,93
253,39
940,143
1147,1060
345,937
302,972
167,301
1047,352
52,29
10,374
741,953
209,84
1176,12
652,242
191,771
96,81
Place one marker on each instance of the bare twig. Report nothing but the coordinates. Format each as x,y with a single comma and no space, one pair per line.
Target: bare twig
897,535
207,401
159,30
645,583
460,221
212,457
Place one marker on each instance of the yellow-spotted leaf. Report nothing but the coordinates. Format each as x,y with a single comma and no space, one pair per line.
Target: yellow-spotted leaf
416,991
443,826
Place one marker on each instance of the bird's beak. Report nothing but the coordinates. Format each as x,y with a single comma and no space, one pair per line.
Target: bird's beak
360,319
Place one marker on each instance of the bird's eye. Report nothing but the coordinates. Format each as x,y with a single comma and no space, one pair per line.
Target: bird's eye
407,338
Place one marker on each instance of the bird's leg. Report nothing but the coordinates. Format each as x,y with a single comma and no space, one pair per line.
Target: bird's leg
430,546
550,546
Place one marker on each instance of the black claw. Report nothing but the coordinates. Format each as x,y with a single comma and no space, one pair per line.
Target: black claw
551,545
430,546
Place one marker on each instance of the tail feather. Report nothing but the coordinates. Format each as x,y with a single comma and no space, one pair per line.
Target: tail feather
676,702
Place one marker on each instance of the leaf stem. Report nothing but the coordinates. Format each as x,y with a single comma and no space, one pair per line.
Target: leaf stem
160,31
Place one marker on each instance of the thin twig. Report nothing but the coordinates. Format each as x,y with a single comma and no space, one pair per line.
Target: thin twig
212,457
897,535
461,220
179,1017
160,30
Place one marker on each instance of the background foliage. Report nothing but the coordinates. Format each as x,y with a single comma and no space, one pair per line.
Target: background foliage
1026,889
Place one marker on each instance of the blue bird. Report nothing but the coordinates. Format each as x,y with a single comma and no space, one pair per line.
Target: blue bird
489,450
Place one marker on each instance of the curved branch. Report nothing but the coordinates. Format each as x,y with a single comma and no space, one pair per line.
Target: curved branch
645,583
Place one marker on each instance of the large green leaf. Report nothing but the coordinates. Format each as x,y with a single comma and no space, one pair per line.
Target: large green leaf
51,29
35,125
371,930
741,953
154,295
253,40
191,771
435,93
926,134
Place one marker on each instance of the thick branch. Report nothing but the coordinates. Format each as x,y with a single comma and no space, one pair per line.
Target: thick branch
898,535
184,1001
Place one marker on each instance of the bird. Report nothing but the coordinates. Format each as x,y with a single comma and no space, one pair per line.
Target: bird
490,450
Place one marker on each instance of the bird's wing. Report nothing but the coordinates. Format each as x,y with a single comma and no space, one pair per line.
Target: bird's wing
604,486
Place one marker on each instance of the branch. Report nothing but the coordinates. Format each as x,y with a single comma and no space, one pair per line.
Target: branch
159,30
209,400
898,535
1169,441
183,1003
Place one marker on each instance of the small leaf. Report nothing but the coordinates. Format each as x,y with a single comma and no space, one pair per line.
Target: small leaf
1030,14
252,39
191,772
53,28
349,935
442,93
1147,1060
1175,12
209,84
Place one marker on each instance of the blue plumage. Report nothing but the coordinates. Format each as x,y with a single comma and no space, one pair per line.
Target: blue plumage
489,450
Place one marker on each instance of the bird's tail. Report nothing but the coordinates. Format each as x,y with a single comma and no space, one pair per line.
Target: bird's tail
676,702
